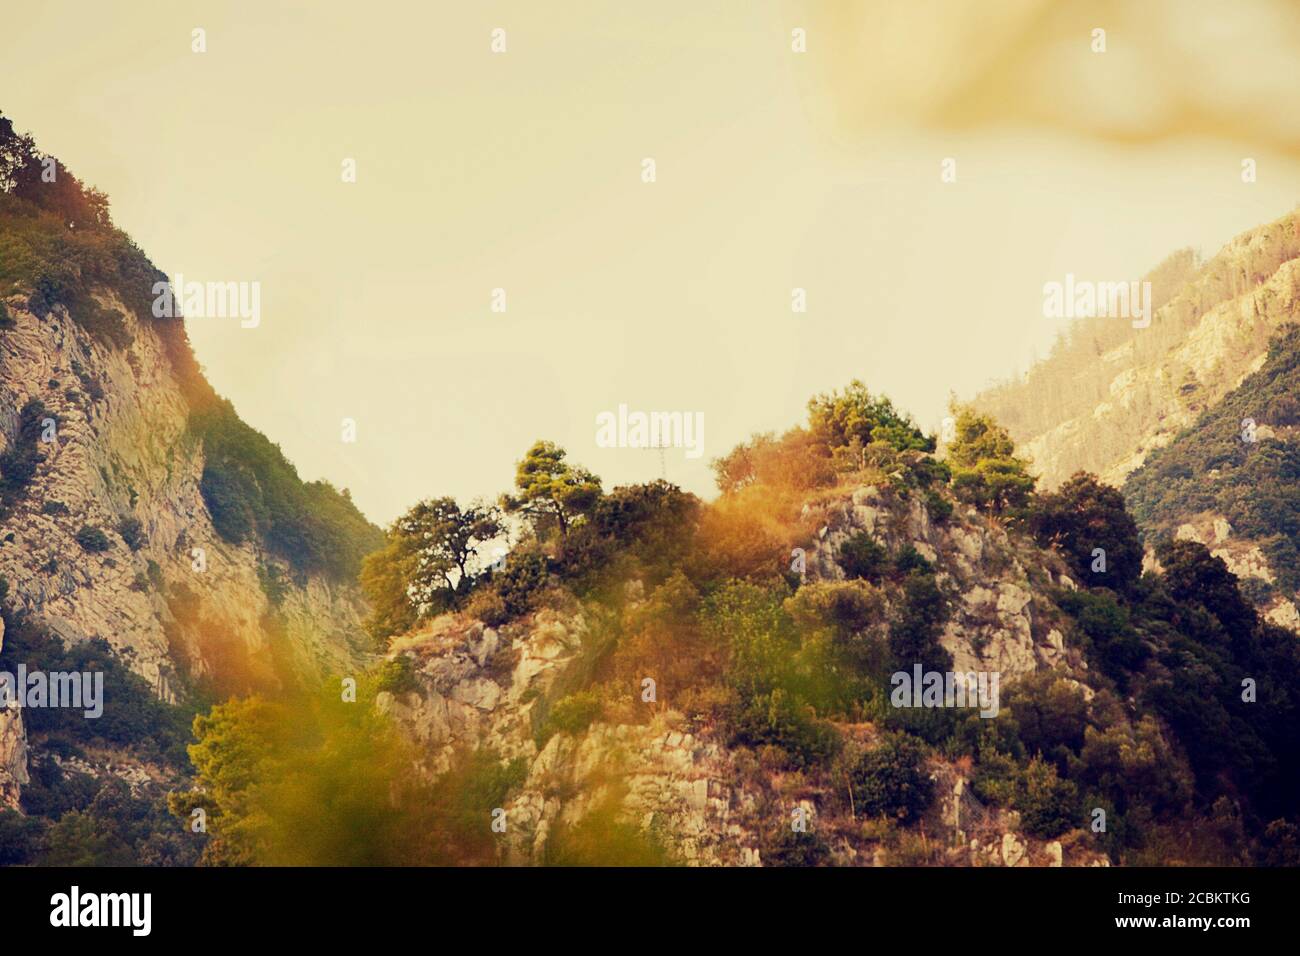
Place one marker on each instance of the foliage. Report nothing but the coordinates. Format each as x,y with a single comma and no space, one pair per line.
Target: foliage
550,490
253,492
572,714
18,462
1082,516
1209,469
985,470
132,713
92,539
131,530
890,779
837,418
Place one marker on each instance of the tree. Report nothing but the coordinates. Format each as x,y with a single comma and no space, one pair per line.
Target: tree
384,577
446,539
1082,516
41,179
836,419
985,470
550,489
890,779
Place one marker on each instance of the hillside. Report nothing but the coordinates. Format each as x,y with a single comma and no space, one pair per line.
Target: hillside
657,680
1161,411
141,522
1110,394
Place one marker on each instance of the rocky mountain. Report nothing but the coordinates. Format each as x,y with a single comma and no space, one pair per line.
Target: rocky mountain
679,775
114,493
1111,396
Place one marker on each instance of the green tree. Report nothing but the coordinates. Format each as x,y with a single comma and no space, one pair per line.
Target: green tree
446,539
837,418
550,489
985,470
1082,516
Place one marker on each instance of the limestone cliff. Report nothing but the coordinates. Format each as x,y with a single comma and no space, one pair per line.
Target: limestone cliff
1110,395
178,603
678,776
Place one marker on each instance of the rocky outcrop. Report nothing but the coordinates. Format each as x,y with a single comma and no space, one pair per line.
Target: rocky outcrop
1103,409
173,599
476,686
996,624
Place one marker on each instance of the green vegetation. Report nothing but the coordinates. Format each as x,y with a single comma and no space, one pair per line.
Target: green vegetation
19,461
985,470
1211,468
890,779
92,539
252,491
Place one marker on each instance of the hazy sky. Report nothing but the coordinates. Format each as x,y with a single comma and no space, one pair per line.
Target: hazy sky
523,171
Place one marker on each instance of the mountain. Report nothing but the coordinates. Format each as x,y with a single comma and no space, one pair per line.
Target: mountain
142,522
866,651
772,678
1151,409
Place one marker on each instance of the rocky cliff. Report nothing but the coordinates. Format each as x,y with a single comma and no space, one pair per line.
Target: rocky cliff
677,775
181,606
1110,396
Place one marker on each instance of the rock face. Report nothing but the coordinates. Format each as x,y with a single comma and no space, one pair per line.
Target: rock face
1103,403
13,750
480,687
996,624
1110,395
182,602
477,686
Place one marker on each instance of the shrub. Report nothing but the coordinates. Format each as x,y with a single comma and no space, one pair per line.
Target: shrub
21,838
861,556
1048,805
785,846
939,507
132,532
890,779
397,676
486,605
18,463
777,718
524,576
572,714
54,508
92,539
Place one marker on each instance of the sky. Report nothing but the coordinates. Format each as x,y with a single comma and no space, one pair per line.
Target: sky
524,171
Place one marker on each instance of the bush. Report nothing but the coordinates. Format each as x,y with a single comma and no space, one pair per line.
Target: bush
21,838
54,508
92,539
397,676
486,605
785,846
572,714
251,490
778,719
890,779
524,576
1048,805
132,532
861,556
18,463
